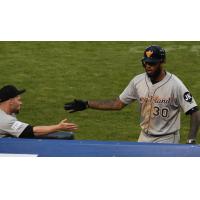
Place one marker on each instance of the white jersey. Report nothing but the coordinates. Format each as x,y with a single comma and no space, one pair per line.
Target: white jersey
10,126
160,103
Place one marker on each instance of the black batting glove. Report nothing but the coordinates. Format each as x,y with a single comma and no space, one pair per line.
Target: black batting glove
76,105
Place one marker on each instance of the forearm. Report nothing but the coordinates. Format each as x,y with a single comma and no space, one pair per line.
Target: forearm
44,130
115,104
64,125
194,125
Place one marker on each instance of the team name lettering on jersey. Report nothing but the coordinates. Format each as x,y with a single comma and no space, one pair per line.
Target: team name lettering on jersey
157,99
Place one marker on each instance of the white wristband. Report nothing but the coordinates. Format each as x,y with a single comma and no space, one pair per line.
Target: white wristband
191,141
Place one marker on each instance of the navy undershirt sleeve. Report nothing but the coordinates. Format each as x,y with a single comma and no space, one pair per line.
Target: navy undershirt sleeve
189,112
27,133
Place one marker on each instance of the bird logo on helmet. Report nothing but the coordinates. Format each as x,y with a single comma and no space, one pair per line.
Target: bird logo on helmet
149,53
154,54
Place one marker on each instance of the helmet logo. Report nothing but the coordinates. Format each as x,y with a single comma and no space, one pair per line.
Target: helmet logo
149,53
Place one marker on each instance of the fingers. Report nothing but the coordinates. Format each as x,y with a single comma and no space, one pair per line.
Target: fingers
66,126
70,108
70,105
64,120
72,111
70,127
76,105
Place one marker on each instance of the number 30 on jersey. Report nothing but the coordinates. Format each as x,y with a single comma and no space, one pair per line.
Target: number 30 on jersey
164,112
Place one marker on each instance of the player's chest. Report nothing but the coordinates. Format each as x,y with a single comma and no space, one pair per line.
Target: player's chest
158,95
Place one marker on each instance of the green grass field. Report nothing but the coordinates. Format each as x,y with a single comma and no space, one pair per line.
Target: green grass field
57,72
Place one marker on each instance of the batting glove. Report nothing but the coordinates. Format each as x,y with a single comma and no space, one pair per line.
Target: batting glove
76,105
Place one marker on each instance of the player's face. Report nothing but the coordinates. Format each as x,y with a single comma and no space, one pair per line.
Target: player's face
153,70
16,104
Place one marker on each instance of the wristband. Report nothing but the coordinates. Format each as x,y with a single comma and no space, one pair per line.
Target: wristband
191,141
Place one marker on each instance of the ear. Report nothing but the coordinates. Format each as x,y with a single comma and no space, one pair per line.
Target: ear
162,64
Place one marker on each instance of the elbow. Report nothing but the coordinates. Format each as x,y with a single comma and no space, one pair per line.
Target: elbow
120,108
37,131
120,105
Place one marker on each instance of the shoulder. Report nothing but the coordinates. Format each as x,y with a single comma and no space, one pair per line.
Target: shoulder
175,81
6,119
140,76
137,79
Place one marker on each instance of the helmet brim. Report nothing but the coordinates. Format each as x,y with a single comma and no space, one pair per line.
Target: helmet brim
151,60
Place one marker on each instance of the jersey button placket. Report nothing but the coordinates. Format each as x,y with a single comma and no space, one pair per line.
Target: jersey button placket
151,96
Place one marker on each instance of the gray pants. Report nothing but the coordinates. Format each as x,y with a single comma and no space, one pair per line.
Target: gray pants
173,138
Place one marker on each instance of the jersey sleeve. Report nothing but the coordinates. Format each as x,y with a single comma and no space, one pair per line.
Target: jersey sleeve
129,94
185,98
13,127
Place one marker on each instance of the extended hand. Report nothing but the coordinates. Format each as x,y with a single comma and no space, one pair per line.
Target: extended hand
65,126
76,105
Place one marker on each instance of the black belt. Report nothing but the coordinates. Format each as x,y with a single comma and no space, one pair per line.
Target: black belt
160,135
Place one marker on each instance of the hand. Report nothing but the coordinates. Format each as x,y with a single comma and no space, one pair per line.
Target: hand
76,105
65,126
191,141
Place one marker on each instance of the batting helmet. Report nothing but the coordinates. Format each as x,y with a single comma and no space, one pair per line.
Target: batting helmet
154,54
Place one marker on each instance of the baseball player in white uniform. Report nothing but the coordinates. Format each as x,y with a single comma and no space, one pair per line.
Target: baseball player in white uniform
10,126
161,96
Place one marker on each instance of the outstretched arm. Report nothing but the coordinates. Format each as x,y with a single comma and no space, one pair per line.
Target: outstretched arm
64,125
194,126
115,104
78,105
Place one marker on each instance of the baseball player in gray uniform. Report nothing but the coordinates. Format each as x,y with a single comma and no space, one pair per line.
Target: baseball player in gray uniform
10,104
161,96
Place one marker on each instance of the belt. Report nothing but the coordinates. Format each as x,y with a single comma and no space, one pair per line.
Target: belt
160,135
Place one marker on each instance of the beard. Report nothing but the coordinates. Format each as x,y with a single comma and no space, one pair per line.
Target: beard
16,110
155,75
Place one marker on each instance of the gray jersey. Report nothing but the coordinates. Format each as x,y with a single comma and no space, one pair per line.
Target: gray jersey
10,126
160,103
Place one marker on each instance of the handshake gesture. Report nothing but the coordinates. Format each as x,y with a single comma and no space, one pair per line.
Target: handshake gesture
76,105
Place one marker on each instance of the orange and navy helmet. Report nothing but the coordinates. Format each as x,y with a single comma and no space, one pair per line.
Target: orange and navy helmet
154,54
